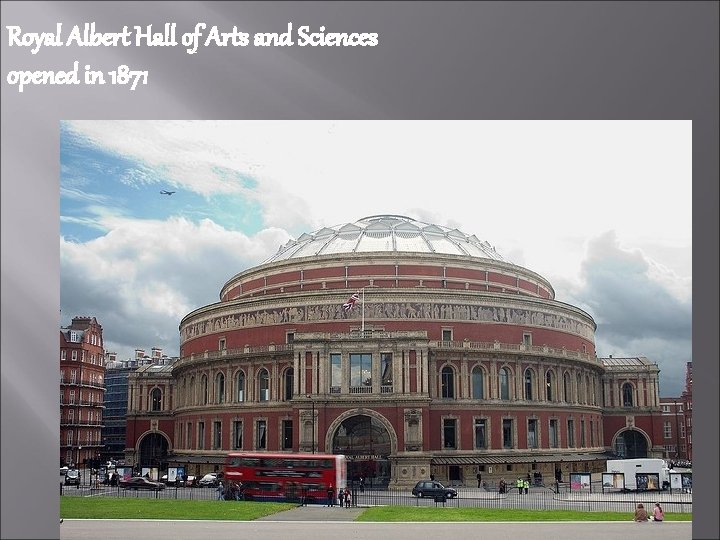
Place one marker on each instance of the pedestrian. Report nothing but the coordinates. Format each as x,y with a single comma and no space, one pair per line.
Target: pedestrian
220,491
526,485
658,514
519,485
640,513
330,496
362,484
347,497
502,486
479,479
432,477
340,496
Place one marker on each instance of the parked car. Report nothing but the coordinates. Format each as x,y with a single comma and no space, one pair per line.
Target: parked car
431,488
72,477
210,480
140,482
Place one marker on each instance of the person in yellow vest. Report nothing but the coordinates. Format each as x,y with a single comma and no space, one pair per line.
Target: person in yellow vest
519,485
526,485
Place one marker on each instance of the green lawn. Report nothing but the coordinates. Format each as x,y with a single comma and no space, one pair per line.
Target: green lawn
137,508
408,513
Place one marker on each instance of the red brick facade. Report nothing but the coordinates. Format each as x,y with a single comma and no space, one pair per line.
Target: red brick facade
449,364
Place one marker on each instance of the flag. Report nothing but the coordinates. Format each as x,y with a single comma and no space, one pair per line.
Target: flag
347,306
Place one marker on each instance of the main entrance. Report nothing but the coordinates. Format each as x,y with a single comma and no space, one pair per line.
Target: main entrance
366,443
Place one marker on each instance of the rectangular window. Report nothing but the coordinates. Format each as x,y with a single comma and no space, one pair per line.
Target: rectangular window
682,429
201,435
582,433
222,344
290,337
72,397
667,430
507,433
237,435
571,433
449,429
554,443
447,335
63,354
592,434
217,435
386,372
188,436
361,371
287,434
532,433
527,339
480,434
261,442
335,373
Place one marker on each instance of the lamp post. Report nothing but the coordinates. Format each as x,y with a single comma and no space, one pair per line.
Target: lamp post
313,421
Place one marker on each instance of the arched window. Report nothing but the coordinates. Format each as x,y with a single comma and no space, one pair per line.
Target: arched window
183,395
478,391
567,390
288,377
264,385
528,384
203,390
627,395
192,396
589,391
580,393
220,388
504,383
156,397
447,383
240,386
549,382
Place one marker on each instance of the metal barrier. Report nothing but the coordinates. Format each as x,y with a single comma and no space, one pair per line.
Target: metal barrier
537,499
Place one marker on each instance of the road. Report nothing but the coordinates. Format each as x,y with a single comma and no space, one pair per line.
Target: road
332,530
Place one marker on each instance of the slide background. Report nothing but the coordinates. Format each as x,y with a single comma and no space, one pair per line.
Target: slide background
465,60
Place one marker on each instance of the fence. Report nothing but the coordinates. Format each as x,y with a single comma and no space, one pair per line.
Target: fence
538,498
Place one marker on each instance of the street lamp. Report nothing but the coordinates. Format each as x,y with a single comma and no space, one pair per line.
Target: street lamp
313,421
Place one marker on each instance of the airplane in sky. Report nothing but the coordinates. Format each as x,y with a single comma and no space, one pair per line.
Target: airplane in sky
164,192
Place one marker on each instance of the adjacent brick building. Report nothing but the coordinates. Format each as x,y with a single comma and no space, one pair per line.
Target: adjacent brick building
82,390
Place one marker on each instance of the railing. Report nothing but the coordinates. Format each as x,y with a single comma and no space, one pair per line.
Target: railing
437,344
537,498
513,347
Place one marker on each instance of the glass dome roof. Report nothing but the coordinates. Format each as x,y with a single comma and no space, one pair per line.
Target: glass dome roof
385,233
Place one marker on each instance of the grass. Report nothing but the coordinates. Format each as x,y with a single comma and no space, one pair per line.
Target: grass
176,509
140,508
407,513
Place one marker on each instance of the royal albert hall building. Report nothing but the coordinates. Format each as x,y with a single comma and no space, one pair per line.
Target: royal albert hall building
452,361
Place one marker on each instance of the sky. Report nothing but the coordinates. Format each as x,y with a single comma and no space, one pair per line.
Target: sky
602,209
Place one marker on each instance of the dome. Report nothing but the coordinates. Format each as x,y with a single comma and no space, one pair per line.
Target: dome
385,233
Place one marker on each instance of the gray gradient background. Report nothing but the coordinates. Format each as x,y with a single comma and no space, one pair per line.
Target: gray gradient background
461,60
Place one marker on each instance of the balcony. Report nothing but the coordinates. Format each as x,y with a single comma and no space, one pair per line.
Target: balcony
518,348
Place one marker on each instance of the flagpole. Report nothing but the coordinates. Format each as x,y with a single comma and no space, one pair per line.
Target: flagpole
362,326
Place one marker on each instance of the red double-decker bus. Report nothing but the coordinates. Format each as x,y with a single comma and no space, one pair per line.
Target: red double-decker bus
286,477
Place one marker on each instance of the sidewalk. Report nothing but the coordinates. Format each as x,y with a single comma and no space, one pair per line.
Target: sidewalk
316,512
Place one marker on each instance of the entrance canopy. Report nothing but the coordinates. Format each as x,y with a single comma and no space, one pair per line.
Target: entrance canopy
499,460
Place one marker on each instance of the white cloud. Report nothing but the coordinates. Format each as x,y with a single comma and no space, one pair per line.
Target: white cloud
144,276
